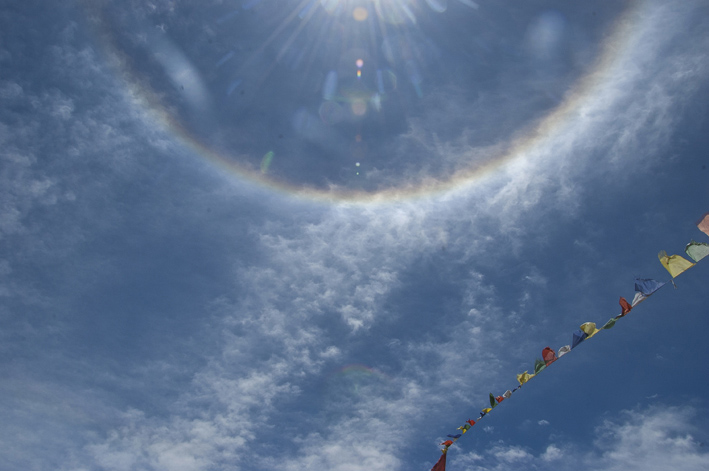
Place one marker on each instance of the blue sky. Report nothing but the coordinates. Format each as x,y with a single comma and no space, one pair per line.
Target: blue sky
226,244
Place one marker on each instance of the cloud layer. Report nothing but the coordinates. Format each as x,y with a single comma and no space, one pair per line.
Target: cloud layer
158,314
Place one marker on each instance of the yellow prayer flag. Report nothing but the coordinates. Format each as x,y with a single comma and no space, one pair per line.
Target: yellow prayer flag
524,377
589,328
674,263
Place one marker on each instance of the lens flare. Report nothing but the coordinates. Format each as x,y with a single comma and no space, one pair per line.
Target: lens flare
359,107
439,6
360,14
263,70
266,161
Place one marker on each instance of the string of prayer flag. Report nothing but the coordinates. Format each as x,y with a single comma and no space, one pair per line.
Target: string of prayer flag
644,288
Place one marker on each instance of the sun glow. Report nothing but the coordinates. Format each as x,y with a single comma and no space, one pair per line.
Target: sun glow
336,83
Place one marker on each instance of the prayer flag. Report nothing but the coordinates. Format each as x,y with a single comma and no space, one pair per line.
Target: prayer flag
644,288
639,297
539,365
647,286
625,305
609,324
589,328
696,250
524,377
441,464
549,356
703,224
674,264
579,336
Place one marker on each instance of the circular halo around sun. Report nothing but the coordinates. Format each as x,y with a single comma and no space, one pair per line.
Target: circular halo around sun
352,99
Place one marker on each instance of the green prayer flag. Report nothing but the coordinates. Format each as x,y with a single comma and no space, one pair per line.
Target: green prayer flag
493,402
697,250
539,365
609,324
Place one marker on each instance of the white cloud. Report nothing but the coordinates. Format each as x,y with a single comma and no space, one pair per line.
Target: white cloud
652,439
464,460
511,454
658,438
331,352
551,453
342,455
325,279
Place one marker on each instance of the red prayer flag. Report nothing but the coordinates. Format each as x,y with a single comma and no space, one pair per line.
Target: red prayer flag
499,399
549,356
441,465
447,443
625,305
703,224
471,422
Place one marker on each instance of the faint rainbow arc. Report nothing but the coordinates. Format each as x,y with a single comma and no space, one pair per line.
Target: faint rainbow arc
535,134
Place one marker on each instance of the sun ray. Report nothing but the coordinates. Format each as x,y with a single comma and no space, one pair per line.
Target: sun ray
284,24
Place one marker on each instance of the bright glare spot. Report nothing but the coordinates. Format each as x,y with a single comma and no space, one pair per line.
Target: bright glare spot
357,164
359,63
359,107
360,14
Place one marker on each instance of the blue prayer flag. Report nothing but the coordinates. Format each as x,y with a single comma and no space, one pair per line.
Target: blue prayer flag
647,287
579,337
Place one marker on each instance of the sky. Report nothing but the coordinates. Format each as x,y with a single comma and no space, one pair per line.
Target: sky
245,235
